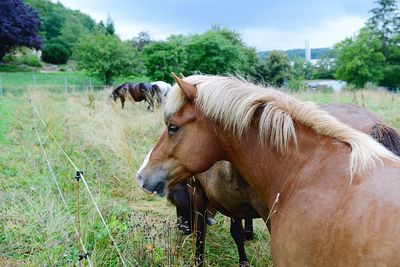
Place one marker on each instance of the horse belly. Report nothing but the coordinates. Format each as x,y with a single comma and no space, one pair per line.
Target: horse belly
225,195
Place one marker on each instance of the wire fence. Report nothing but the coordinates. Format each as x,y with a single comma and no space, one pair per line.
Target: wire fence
38,115
17,83
53,175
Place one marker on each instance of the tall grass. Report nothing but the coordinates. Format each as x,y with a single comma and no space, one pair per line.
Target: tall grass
108,144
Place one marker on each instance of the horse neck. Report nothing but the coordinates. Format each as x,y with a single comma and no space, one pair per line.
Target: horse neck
269,172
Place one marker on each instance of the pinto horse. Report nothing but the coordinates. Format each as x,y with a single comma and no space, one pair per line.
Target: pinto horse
138,92
332,191
238,200
164,88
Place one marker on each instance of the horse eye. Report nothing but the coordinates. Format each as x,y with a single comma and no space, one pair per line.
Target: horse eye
172,128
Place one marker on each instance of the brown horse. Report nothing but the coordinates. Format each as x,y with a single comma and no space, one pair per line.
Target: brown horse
332,191
238,200
138,92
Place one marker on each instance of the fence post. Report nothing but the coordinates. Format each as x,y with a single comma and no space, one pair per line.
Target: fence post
90,83
1,88
65,84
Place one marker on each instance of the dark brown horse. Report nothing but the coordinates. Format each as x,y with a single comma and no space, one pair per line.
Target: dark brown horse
238,200
332,191
138,92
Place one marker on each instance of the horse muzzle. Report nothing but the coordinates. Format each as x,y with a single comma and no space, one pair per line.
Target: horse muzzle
154,185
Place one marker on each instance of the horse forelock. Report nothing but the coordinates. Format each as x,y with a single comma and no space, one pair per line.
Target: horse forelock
234,103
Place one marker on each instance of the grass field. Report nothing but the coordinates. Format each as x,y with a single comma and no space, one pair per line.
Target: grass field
19,82
108,144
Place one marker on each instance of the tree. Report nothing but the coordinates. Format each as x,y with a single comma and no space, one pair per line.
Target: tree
359,59
301,69
275,69
19,25
71,32
325,69
162,58
213,53
391,69
108,27
385,22
385,25
106,56
142,39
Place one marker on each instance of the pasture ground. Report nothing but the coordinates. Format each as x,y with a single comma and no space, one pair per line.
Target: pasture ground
108,144
18,83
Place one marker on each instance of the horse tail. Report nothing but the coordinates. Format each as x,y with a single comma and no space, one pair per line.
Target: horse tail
157,91
387,136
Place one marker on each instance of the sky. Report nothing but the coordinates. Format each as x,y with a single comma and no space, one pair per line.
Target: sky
263,24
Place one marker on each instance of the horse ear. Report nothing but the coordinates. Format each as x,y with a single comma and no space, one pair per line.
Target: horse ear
189,89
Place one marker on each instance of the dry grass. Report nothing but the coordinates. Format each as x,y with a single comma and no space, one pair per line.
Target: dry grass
108,143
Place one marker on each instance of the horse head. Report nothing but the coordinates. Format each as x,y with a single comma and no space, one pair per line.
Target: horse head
188,145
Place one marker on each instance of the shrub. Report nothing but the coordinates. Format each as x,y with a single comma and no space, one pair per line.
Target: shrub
30,60
56,53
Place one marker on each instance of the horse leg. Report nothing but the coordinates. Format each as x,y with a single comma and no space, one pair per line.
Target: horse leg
122,101
200,206
149,100
237,234
248,229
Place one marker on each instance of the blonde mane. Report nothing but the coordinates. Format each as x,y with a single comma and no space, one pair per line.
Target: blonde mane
234,102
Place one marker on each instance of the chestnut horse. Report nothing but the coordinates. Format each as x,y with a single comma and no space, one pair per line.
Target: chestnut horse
238,200
332,191
138,92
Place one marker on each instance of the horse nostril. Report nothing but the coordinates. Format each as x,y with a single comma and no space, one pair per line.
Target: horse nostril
140,179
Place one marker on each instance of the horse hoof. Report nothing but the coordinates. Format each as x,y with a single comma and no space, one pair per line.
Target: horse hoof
184,229
244,264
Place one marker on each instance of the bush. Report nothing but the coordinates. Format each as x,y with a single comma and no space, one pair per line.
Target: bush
30,60
56,53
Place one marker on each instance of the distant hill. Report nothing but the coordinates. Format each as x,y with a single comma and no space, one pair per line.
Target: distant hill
316,53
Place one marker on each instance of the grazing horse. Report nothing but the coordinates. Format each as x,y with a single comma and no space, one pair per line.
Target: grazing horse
238,200
164,88
332,192
138,92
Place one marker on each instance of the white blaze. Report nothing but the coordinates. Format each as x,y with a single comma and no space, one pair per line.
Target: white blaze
145,161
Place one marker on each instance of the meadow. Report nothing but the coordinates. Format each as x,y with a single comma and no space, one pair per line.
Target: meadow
108,145
17,83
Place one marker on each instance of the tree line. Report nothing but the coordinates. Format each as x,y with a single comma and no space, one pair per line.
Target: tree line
371,55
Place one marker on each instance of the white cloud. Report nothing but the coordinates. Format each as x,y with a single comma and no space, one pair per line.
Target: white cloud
126,28
329,33
263,37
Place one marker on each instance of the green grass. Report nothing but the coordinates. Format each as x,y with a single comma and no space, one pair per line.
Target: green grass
15,68
108,144
18,83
